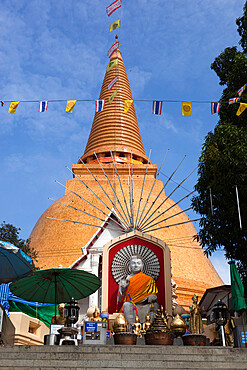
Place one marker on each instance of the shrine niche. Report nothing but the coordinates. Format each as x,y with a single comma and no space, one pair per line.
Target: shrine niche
116,258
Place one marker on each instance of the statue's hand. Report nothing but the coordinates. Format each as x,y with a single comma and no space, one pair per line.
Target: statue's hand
152,298
123,285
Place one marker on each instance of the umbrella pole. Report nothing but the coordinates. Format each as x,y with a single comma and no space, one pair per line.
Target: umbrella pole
55,299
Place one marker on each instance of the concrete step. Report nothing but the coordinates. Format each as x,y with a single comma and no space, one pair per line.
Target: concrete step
121,357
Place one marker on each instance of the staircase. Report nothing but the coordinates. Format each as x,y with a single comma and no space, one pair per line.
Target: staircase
121,357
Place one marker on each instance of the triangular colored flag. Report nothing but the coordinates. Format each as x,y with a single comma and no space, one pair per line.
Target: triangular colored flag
99,105
215,107
186,108
70,106
127,105
242,107
112,49
234,100
112,96
112,83
241,90
115,25
114,6
13,106
111,64
43,105
157,107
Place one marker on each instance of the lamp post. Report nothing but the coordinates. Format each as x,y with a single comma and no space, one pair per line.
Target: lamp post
220,317
71,312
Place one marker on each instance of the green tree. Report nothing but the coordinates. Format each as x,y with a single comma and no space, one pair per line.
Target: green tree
10,233
223,162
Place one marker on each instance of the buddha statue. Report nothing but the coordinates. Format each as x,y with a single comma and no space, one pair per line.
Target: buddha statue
59,319
195,326
147,323
138,291
136,327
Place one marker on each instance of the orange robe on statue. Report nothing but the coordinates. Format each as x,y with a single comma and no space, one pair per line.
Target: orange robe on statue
140,287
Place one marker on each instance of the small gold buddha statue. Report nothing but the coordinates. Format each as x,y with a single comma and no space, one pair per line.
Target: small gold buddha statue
59,319
136,327
146,325
195,326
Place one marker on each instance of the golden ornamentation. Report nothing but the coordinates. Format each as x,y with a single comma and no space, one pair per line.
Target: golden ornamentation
96,315
120,324
178,326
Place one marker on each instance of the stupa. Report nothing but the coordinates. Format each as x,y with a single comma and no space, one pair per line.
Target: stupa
109,177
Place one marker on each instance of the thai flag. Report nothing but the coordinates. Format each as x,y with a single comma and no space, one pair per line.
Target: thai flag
157,107
43,105
215,107
99,105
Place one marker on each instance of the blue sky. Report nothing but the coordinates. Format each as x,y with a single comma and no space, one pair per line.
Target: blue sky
58,50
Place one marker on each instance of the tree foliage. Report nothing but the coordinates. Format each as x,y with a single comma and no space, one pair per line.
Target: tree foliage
223,161
10,233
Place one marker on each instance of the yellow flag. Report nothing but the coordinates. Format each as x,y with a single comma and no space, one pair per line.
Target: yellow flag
114,25
112,97
13,106
70,105
111,64
186,108
241,108
127,105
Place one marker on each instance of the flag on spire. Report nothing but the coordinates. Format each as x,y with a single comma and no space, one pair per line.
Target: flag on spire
186,108
112,83
113,48
115,25
112,96
70,106
241,90
242,107
127,105
99,105
114,6
43,105
215,108
234,100
111,64
157,107
13,106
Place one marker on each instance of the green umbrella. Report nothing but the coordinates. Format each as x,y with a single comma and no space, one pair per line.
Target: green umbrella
56,285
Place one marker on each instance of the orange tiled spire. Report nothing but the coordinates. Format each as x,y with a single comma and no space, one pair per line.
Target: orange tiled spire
113,129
